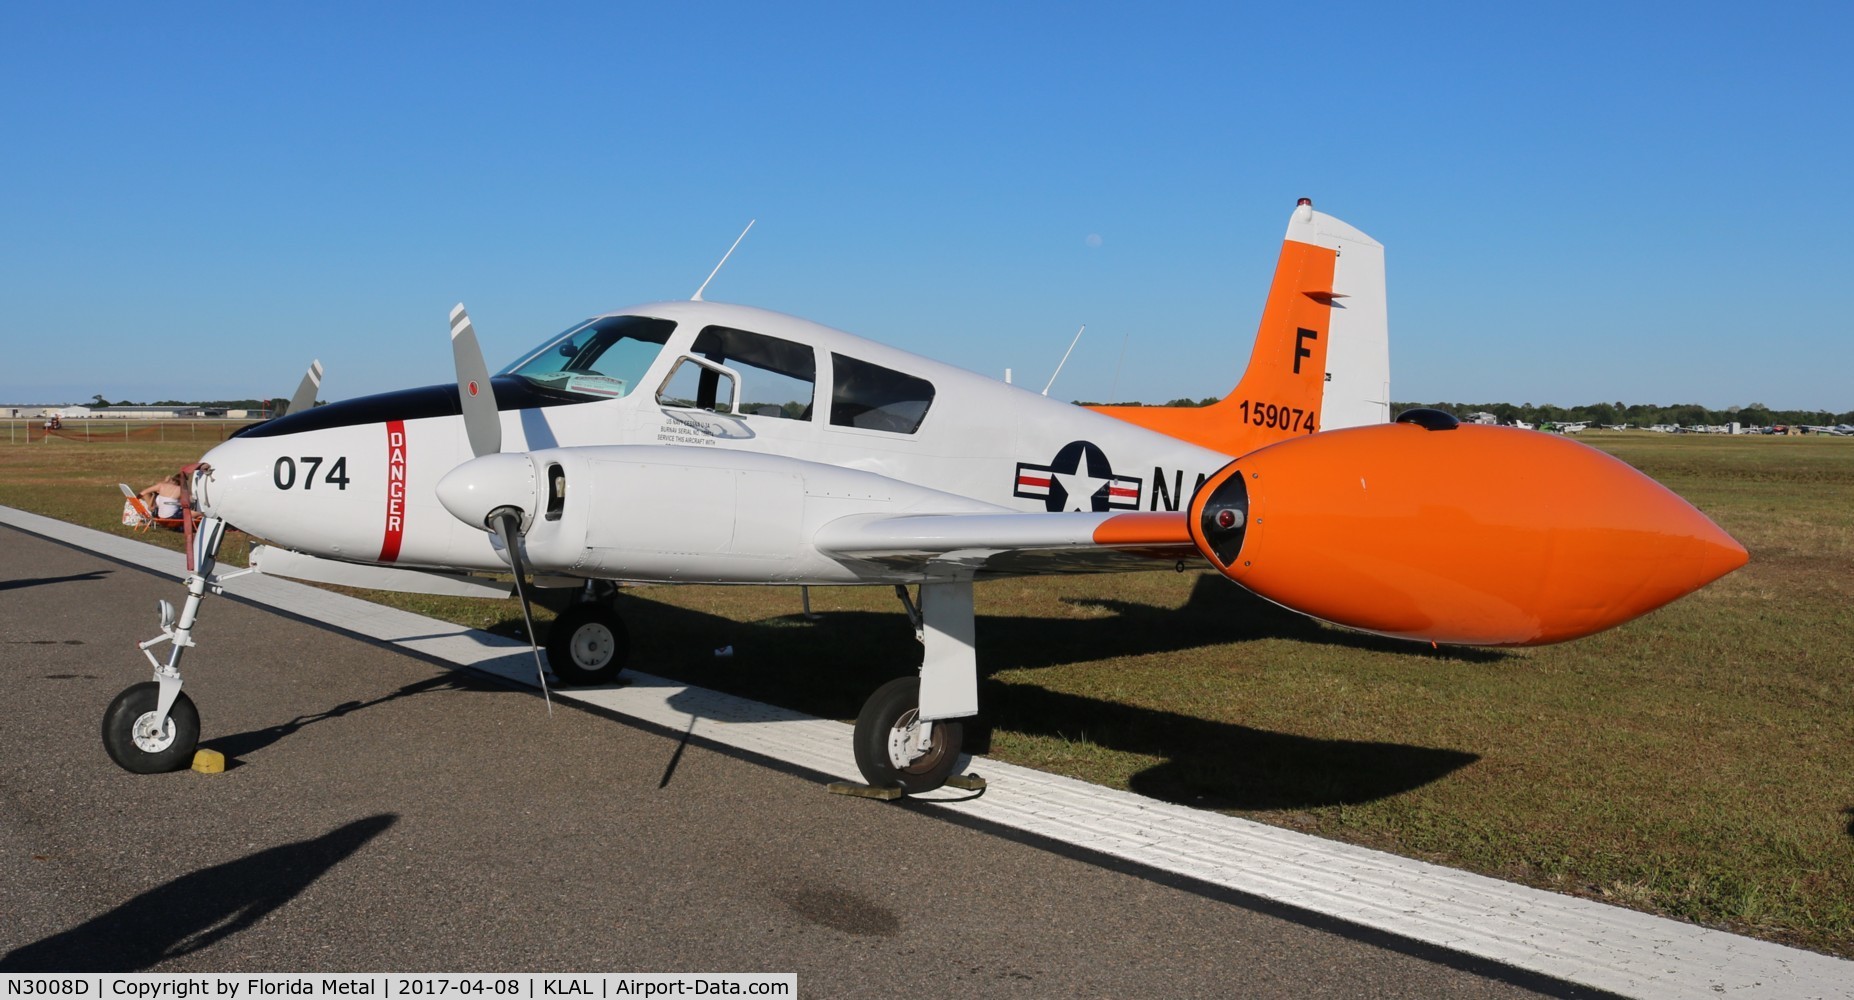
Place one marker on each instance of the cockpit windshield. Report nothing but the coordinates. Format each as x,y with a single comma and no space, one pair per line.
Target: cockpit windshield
601,358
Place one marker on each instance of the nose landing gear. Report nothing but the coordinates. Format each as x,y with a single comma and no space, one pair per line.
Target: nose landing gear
140,744
152,727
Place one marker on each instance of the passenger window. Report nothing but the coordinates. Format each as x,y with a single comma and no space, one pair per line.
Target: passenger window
777,377
877,398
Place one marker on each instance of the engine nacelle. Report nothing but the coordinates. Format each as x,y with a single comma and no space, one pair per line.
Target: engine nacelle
1465,534
671,513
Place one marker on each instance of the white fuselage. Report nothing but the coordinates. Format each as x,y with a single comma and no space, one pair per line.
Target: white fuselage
357,481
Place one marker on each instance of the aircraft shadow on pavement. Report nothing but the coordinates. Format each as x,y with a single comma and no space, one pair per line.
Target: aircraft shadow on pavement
43,581
197,910
238,745
827,667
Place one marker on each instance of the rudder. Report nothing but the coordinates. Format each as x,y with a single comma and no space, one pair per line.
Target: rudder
1321,358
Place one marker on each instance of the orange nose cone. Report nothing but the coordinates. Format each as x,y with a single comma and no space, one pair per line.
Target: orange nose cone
1473,535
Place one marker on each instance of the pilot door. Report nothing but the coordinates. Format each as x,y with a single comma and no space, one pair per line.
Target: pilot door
735,387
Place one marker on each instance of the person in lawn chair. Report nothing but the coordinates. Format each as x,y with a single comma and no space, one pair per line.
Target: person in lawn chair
166,498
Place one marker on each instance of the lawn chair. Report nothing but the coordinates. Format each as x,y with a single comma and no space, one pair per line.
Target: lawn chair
145,518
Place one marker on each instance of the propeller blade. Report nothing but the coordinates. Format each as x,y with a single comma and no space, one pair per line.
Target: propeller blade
508,524
306,390
481,419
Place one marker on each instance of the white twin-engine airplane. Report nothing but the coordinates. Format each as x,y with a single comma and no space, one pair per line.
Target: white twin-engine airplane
697,442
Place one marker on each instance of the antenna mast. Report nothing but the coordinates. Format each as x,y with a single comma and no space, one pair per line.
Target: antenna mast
1065,358
697,297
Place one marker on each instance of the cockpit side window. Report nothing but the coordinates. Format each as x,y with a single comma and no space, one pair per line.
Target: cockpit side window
777,377
876,398
604,358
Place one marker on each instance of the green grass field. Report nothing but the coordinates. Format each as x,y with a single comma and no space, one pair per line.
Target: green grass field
1698,762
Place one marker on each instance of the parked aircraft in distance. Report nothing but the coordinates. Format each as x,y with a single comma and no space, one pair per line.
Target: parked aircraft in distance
700,442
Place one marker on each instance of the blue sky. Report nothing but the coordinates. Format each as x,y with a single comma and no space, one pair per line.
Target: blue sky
1647,203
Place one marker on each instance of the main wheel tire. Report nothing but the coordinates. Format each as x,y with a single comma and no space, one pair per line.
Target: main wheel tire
145,751
588,645
884,749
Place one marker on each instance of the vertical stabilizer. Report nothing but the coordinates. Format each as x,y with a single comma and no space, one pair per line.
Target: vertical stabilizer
1321,358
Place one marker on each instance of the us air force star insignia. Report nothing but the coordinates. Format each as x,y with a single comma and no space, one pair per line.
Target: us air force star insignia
1078,478
1079,488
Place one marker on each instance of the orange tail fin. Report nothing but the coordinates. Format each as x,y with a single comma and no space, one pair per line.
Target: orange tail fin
1287,387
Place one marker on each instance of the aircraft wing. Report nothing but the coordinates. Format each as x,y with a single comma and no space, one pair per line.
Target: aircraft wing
1007,544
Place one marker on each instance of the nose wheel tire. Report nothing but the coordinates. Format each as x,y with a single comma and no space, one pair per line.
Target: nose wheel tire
588,645
888,747
133,742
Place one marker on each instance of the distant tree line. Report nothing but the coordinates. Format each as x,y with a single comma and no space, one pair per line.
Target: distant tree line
1629,414
1206,401
97,402
1640,414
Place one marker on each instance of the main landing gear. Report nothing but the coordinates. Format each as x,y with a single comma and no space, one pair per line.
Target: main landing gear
153,727
907,737
894,746
587,644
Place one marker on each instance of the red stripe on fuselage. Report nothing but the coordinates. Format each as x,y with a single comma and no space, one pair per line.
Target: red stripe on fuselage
395,490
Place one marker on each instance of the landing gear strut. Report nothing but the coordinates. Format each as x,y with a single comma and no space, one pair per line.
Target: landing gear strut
152,727
907,737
